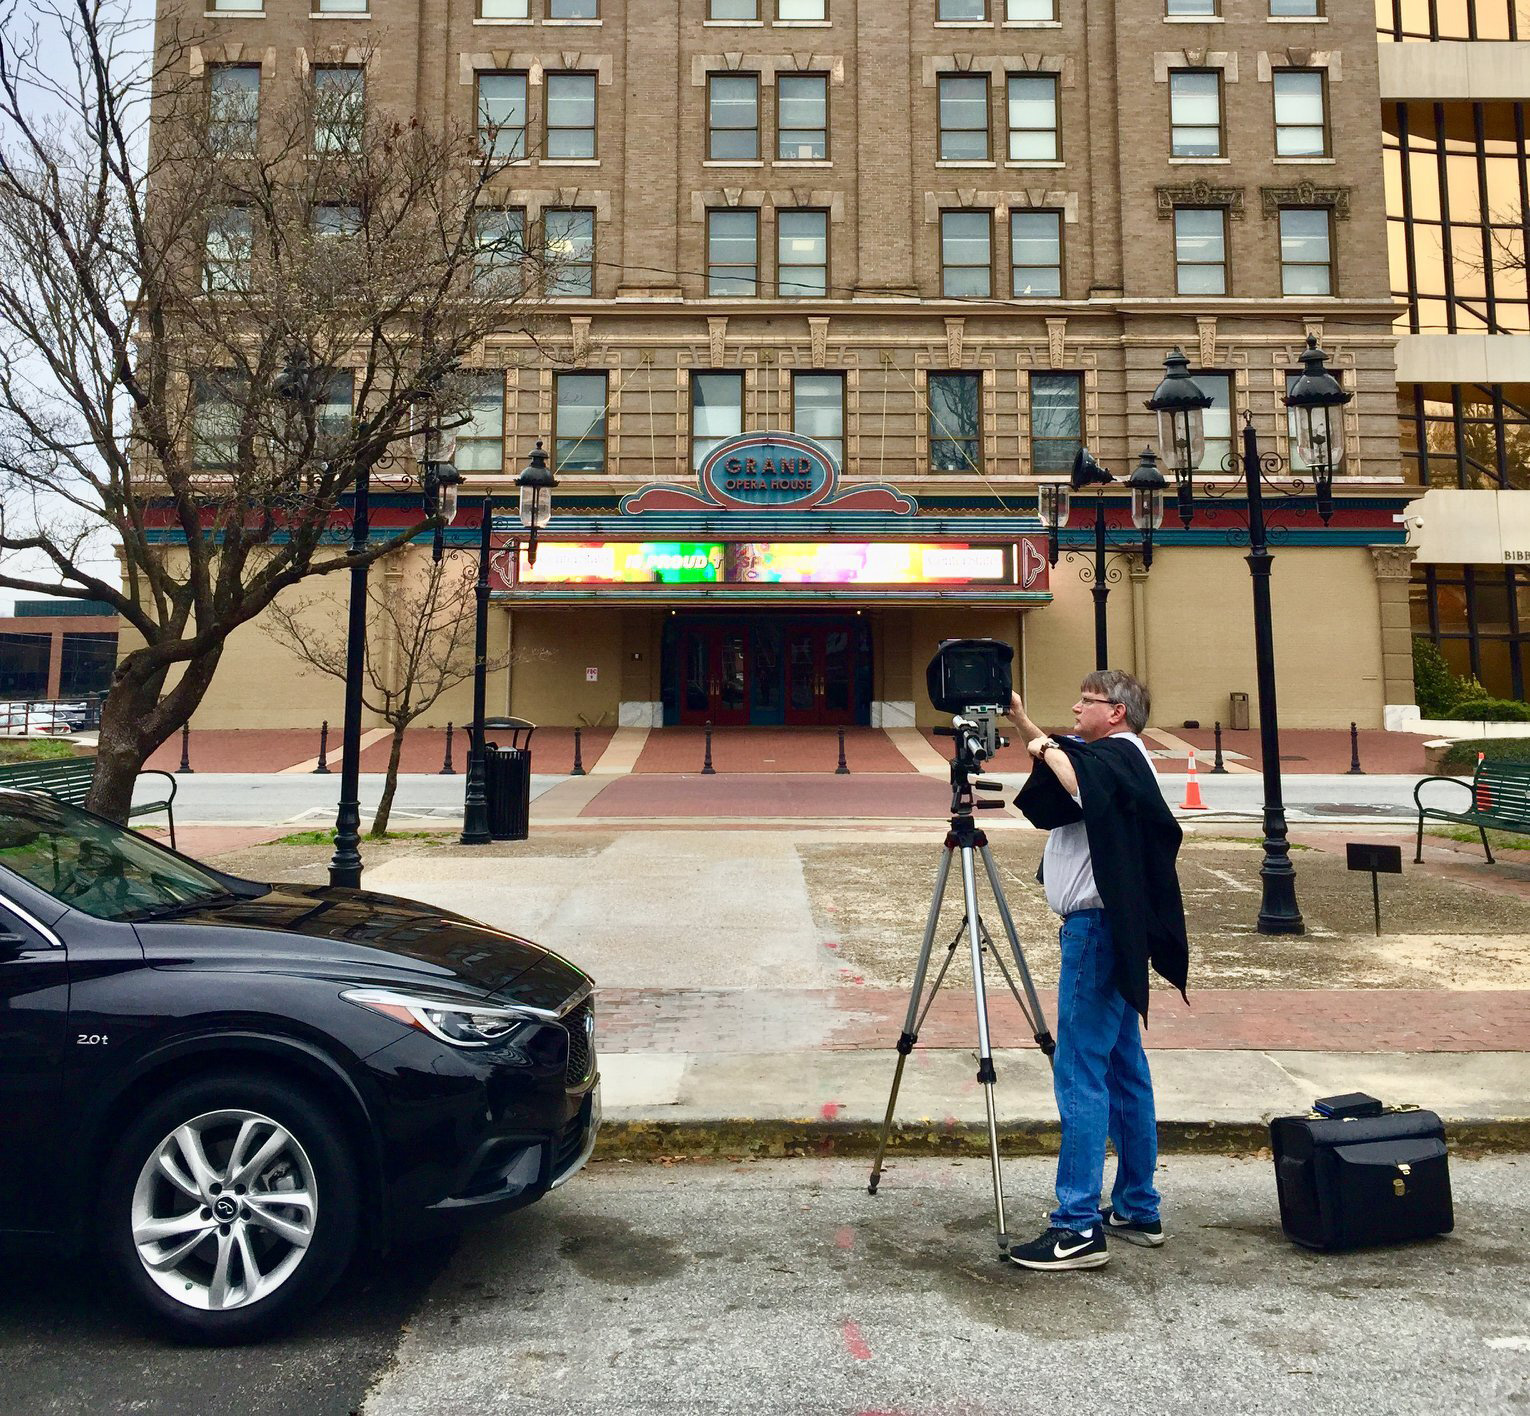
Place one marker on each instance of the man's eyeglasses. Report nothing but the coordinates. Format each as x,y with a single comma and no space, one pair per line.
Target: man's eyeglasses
1084,698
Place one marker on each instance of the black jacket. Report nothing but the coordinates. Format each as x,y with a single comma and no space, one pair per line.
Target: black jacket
1133,840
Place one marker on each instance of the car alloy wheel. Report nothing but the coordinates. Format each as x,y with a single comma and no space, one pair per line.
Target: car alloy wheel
224,1209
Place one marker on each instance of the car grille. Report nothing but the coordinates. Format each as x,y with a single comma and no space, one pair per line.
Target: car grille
567,1146
581,1049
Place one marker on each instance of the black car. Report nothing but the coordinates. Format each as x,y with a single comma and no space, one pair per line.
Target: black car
223,1087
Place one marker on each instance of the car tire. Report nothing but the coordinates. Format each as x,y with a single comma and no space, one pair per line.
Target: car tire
222,1187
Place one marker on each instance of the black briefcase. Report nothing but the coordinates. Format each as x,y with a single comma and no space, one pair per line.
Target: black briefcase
1353,1172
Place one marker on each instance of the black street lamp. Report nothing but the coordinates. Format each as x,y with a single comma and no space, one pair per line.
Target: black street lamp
1320,429
1088,473
1181,405
536,482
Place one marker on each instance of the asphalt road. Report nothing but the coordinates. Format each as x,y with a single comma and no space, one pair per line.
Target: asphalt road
303,800
781,1287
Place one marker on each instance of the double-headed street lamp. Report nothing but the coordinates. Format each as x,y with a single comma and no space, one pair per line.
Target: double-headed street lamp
1054,504
301,383
1317,399
536,482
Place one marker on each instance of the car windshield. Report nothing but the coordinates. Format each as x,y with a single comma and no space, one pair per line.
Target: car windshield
94,866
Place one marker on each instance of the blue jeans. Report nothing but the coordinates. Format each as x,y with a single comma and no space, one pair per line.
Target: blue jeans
1103,1087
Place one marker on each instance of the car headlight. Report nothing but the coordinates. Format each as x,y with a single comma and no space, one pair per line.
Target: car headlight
460,1024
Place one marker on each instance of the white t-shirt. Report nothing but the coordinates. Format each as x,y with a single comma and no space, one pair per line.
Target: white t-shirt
1066,870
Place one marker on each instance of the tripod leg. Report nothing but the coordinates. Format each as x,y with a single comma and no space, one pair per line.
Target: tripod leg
986,1075
910,1034
1044,1038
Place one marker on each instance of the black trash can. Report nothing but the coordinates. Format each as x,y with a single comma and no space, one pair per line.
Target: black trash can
507,778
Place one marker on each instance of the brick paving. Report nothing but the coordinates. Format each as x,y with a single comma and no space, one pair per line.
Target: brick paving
245,750
857,1018
683,749
742,796
552,749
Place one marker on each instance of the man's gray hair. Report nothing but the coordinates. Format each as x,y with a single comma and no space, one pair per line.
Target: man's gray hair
1120,687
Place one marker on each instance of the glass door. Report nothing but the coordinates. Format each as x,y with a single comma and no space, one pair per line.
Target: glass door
714,675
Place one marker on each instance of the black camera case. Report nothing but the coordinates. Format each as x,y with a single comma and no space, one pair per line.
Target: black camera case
1353,1173
968,673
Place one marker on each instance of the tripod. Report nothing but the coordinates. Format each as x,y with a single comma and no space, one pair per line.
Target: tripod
976,740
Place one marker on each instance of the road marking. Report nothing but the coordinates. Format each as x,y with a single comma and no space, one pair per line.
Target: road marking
855,1344
1231,881
1520,1343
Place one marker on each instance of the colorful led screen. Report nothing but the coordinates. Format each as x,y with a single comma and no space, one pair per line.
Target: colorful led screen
767,563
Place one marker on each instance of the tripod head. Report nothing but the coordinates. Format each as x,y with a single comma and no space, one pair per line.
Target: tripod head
975,736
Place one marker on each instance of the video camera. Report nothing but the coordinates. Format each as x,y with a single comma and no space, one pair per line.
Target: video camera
970,679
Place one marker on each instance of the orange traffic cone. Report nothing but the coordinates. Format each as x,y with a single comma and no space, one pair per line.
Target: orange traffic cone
1484,795
1192,801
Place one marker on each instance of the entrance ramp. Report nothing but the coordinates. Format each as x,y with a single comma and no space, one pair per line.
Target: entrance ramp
770,750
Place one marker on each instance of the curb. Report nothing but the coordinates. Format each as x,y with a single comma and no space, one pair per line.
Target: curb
733,1137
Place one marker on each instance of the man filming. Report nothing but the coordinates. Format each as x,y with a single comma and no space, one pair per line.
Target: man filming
1108,871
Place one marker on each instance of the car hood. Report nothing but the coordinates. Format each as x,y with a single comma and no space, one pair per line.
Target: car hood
355,935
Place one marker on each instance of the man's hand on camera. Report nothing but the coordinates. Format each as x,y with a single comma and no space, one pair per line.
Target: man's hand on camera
1017,715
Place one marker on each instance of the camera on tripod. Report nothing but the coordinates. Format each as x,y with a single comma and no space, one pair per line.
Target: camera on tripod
970,679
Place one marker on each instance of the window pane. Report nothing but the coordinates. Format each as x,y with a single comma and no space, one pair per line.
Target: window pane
1217,420
502,114
481,441
733,116
802,121
818,410
502,9
336,219
218,407
1031,10
1190,7
1033,119
1299,121
963,9
1294,8
230,243
955,422
1056,421
963,119
964,252
342,7
573,9
570,242
500,246
717,411
802,253
733,10
570,115
1195,112
1035,246
339,108
580,416
733,252
800,10
233,107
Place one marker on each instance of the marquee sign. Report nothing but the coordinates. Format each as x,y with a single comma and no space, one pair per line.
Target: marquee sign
768,471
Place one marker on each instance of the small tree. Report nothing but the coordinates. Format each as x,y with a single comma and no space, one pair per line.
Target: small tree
1434,686
425,634
158,290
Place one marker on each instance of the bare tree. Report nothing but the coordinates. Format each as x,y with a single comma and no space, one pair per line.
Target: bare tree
210,328
425,629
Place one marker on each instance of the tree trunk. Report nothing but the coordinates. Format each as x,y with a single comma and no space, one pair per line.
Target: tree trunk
390,784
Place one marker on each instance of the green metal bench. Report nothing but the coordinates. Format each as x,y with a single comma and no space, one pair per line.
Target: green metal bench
69,778
1499,796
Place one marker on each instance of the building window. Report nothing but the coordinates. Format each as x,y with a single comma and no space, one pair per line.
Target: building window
1473,436
233,108
956,422
579,422
332,219
230,245
568,237
1295,9
1217,421
1200,250
503,10
802,117
963,104
339,108
802,253
502,115
1306,256
573,9
733,10
481,440
235,7
818,410
1195,113
1056,421
342,7
733,117
218,402
499,247
1190,9
1460,19
333,415
1301,124
1030,11
1035,254
570,115
1479,616
1033,118
733,251
966,264
717,412
964,11
802,10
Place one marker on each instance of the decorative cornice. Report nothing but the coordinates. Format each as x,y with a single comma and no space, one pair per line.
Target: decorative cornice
1305,194
1199,193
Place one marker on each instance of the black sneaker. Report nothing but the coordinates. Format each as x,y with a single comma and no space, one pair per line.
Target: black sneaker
1149,1234
1062,1249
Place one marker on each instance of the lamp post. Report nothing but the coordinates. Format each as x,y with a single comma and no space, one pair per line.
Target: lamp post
536,482
1320,424
1088,473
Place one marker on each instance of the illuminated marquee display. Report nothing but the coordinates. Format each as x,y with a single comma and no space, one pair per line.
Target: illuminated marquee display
767,563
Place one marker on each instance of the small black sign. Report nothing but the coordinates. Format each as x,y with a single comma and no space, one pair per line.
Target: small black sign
1385,859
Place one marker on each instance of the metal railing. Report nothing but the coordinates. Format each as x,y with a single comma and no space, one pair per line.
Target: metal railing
50,717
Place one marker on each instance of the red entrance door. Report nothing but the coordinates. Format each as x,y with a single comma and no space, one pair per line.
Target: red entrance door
820,674
714,676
